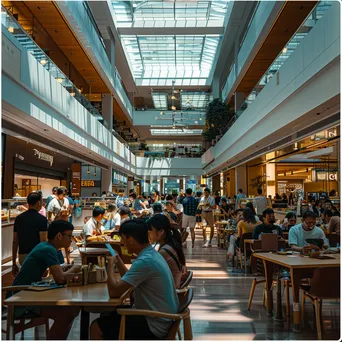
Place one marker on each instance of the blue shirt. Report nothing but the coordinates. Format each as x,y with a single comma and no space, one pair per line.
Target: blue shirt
190,205
43,256
297,235
154,288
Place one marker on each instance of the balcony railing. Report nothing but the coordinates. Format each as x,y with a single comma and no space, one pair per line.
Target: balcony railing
30,45
317,13
121,91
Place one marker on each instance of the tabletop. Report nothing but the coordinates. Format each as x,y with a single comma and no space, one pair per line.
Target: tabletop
94,250
85,295
298,261
251,241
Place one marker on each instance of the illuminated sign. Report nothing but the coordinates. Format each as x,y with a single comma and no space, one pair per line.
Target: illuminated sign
88,183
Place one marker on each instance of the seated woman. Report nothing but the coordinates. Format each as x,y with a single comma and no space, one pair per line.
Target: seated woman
248,223
170,242
113,219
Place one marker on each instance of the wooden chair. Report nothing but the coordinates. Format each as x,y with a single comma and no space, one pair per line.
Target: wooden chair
183,314
325,284
187,281
20,324
334,239
240,250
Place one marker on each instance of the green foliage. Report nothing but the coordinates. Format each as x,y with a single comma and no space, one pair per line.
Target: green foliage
217,117
258,182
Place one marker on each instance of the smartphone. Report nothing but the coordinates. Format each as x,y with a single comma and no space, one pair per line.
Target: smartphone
111,250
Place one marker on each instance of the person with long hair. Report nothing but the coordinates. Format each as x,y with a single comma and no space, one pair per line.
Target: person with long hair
170,241
251,206
156,196
113,219
248,223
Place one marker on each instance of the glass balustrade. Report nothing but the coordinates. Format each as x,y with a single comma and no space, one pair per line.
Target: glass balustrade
286,52
31,46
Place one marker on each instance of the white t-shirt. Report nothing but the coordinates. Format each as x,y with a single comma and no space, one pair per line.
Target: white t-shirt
297,235
210,201
56,205
179,207
261,204
117,219
90,227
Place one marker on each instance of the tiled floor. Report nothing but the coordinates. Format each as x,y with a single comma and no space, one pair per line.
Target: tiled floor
219,308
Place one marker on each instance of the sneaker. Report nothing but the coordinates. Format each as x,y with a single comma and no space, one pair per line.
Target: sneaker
206,244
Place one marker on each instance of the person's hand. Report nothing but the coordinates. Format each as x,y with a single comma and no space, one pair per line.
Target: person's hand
309,248
75,269
15,270
111,260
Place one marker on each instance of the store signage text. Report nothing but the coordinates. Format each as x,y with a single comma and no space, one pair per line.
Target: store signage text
89,183
43,156
76,175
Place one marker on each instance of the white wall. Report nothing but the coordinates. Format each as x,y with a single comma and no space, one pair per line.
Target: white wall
309,78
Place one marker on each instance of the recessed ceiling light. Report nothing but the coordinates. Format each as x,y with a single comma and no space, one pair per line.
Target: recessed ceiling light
43,61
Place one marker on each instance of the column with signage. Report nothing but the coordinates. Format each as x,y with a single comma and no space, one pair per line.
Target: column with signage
107,179
76,179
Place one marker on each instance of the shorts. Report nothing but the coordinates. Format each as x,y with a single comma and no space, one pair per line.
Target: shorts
188,221
209,217
136,327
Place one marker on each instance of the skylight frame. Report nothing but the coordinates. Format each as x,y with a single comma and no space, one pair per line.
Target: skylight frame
195,100
160,101
175,131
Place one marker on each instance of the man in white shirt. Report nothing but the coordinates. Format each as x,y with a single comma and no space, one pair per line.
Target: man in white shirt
207,204
261,202
58,207
93,229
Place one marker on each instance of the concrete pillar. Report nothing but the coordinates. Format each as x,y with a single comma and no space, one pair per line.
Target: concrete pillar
107,179
110,47
241,178
271,176
215,87
238,101
107,110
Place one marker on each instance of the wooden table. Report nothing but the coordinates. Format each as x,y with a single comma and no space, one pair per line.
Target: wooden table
93,297
300,267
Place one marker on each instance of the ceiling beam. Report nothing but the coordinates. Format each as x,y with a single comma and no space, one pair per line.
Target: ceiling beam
163,31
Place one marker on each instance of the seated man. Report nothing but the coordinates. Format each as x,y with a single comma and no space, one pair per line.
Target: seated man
152,280
92,230
332,223
305,230
268,225
44,256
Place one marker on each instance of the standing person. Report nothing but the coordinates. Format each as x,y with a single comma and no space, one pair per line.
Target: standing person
190,205
30,228
51,197
59,207
156,196
207,204
239,196
261,202
120,199
268,225
291,200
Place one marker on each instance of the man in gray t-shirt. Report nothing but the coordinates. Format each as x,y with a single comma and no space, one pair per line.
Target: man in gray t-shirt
153,284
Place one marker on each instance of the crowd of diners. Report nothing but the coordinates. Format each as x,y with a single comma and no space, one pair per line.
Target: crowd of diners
157,241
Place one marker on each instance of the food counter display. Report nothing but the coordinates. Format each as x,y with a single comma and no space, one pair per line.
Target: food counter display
10,209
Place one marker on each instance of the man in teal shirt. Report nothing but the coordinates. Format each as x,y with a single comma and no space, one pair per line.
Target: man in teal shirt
153,284
43,257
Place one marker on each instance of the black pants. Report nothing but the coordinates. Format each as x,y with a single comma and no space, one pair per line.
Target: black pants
136,327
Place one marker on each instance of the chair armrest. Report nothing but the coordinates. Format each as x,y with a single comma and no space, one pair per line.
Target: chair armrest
14,288
150,313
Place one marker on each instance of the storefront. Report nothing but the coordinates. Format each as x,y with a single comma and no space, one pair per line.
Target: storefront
90,181
30,167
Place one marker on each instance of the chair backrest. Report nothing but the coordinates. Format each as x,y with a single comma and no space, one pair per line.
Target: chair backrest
334,239
269,242
185,299
187,281
244,237
325,282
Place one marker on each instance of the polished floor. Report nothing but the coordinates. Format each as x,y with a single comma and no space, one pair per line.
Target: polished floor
219,308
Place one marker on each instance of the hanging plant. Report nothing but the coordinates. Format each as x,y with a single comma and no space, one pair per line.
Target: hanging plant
217,117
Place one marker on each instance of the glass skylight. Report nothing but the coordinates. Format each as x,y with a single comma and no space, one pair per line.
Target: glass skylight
191,100
170,13
171,56
160,101
176,131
